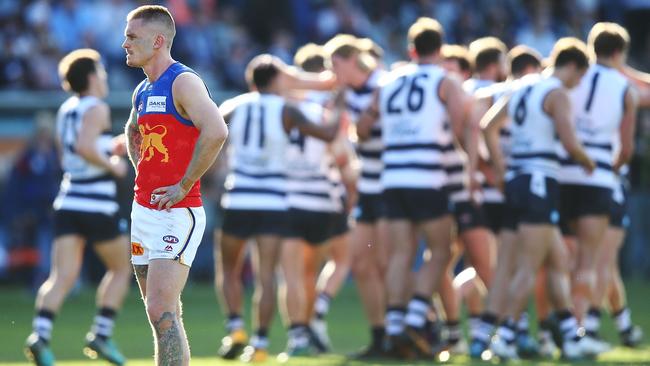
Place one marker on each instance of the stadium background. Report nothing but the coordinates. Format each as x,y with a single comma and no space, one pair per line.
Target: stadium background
217,38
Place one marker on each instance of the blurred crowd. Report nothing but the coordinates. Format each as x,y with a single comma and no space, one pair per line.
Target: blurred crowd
219,37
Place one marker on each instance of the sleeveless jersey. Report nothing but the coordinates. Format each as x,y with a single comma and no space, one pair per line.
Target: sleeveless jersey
412,121
168,140
85,187
257,149
369,151
308,166
533,130
598,108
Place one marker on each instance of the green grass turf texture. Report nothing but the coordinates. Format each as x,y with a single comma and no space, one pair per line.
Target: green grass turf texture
204,325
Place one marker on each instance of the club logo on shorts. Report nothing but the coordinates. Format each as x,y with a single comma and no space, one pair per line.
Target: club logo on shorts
136,249
169,248
171,239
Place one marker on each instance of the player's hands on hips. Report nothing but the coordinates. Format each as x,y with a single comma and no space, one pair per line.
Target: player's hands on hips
166,197
588,165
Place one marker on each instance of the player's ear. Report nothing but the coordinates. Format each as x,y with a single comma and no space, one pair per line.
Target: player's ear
411,50
159,41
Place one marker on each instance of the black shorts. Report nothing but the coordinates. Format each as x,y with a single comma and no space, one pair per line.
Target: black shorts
533,200
581,200
494,213
248,223
618,216
310,226
370,208
93,226
340,224
469,216
415,205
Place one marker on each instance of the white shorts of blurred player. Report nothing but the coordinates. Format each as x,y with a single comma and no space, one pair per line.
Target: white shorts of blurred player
159,234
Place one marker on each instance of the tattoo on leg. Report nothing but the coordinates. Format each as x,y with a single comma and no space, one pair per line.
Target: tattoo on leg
168,336
140,272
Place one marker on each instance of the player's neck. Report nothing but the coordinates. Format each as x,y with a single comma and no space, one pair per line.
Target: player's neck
607,62
488,75
428,60
157,66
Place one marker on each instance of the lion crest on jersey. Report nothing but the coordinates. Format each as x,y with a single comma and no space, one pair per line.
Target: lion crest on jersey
152,141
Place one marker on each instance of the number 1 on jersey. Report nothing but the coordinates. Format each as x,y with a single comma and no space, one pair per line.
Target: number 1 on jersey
249,121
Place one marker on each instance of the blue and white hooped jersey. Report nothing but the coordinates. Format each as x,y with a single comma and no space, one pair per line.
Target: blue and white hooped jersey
370,150
257,148
413,132
309,164
598,108
85,187
533,148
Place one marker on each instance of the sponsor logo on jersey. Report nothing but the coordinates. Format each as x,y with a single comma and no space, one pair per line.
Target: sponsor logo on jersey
136,249
156,104
152,142
171,239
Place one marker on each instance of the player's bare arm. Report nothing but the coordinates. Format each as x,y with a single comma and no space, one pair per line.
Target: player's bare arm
458,105
475,109
368,118
627,128
292,117
193,102
642,82
558,105
95,121
133,138
491,123
294,78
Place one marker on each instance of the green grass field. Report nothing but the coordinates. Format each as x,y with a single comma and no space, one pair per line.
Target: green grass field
204,324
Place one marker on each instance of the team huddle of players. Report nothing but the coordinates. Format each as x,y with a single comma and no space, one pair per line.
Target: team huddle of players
342,164
477,150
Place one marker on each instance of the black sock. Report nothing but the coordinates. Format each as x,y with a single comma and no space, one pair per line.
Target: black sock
377,335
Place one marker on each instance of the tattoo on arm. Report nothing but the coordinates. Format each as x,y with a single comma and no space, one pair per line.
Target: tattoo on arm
133,139
169,344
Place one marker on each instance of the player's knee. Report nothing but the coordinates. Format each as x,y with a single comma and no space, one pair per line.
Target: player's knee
362,268
160,315
265,285
64,279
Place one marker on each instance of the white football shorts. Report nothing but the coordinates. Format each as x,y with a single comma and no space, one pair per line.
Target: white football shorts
158,234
